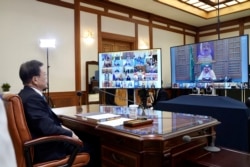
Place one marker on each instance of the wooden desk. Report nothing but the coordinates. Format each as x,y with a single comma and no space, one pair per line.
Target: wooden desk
157,144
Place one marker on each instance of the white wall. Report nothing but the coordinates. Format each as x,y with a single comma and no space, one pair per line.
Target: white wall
22,24
143,36
189,39
116,26
89,52
164,40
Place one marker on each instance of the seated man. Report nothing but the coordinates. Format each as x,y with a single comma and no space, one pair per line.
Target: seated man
157,95
40,118
207,74
160,95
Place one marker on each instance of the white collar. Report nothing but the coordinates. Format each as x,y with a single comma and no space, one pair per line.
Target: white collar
37,91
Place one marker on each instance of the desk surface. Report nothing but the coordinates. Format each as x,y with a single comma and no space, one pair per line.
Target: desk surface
165,124
157,144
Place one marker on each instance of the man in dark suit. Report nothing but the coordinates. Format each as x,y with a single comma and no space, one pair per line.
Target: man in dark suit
40,118
160,95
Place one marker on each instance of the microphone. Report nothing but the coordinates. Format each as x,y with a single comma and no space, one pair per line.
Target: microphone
79,94
209,90
188,138
211,147
79,107
195,90
96,89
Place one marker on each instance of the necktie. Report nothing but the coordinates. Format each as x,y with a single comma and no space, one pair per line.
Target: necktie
156,94
44,98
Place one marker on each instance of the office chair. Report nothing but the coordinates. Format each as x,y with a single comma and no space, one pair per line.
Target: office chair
23,142
7,153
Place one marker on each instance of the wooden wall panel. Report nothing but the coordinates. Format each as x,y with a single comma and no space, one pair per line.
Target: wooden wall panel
65,99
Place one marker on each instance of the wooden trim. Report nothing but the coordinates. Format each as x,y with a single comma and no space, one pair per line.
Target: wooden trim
247,27
146,15
87,63
106,35
64,99
150,35
99,24
106,5
237,22
77,46
136,36
225,24
58,3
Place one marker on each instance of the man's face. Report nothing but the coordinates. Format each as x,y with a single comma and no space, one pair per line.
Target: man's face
206,69
206,48
41,80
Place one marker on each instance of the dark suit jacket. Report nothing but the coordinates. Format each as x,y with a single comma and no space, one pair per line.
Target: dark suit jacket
43,122
160,95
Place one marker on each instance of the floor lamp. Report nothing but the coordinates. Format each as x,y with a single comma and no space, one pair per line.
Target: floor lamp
47,43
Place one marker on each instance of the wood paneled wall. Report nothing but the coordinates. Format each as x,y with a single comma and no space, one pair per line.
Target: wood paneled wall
64,99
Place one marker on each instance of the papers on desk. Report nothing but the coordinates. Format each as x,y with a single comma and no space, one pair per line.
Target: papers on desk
102,117
106,119
115,122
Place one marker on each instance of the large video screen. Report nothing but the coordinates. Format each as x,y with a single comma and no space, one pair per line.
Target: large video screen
130,69
220,64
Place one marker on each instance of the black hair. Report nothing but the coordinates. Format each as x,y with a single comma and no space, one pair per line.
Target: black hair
206,65
29,69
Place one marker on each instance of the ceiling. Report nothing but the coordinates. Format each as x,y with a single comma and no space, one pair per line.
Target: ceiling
183,15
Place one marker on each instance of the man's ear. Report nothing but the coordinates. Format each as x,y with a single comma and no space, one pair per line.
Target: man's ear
34,80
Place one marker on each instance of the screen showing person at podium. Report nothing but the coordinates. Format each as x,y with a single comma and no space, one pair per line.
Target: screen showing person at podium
219,63
130,69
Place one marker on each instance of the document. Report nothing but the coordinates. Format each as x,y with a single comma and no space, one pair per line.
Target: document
102,117
115,122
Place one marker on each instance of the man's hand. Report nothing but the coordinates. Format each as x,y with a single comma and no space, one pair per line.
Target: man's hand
73,134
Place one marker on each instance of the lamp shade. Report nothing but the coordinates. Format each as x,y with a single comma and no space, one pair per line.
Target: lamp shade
47,43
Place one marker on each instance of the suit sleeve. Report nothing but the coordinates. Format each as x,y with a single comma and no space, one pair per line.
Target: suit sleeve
41,119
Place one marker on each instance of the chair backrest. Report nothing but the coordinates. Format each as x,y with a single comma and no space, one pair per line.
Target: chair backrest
7,153
18,127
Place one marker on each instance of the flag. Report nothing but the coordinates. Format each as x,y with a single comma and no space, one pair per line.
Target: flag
191,58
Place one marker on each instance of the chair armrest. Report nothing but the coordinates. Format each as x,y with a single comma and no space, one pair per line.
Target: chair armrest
60,138
47,139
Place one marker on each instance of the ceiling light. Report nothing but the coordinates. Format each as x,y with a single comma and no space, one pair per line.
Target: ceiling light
220,6
241,0
198,4
216,1
209,9
231,3
192,1
204,6
206,10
